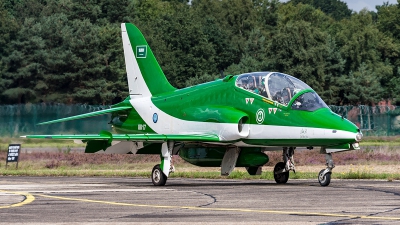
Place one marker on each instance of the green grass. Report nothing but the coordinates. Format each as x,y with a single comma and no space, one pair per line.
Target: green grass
371,140
69,164
37,143
101,170
72,173
372,143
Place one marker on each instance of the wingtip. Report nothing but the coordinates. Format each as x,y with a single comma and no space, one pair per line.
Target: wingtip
23,136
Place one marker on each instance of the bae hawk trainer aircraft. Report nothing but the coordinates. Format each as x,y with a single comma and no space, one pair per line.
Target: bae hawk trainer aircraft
231,122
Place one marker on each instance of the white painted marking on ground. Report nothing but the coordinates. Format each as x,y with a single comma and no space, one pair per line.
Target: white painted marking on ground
102,190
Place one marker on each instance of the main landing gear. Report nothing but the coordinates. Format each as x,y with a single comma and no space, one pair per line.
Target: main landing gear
281,169
160,172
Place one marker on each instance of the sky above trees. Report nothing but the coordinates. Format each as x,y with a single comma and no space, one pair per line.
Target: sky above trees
358,5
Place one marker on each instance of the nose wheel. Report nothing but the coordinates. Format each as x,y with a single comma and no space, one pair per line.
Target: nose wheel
324,178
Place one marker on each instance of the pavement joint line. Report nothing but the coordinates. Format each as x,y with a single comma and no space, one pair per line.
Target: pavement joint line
29,198
225,209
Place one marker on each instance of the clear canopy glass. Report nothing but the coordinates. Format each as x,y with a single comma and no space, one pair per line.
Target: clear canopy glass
281,88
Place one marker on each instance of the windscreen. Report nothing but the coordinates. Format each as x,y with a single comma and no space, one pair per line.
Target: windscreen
309,101
282,87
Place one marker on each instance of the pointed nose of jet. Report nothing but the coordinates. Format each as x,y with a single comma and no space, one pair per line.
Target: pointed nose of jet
359,136
340,126
348,126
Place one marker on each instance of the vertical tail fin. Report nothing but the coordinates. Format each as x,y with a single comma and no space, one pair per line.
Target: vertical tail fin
145,77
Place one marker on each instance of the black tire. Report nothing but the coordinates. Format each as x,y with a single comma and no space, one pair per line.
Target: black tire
157,176
326,180
280,178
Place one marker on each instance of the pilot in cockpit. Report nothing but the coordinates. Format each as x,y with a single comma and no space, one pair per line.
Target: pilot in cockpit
298,103
262,88
280,89
252,86
274,90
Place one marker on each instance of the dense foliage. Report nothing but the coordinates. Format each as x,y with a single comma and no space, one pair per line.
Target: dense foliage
71,51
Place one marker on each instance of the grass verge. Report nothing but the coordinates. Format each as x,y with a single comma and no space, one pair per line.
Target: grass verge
37,143
239,174
383,163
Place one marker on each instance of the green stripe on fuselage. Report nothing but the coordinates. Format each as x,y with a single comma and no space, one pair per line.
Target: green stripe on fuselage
207,99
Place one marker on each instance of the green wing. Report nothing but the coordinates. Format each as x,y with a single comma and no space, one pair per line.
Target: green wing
81,116
103,141
105,135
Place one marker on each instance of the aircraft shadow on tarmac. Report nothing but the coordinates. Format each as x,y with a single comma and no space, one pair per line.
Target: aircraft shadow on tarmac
220,182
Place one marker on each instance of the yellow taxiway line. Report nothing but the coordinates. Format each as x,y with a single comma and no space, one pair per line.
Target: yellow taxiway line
28,199
226,209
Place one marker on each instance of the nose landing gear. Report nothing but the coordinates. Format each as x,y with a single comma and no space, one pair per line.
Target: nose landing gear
324,176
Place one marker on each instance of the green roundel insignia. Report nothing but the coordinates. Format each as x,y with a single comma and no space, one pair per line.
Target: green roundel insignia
141,51
260,115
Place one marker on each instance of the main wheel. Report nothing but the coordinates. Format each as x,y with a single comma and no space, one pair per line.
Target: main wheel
157,176
324,180
280,178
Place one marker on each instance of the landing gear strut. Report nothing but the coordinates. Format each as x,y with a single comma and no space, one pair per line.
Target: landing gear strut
324,176
160,172
281,169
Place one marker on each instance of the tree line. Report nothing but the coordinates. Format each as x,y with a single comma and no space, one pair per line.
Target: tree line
70,51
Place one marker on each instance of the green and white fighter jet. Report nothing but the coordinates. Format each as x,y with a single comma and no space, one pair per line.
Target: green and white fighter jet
227,123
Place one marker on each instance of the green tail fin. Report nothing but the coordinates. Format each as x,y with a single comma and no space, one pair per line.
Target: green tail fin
145,77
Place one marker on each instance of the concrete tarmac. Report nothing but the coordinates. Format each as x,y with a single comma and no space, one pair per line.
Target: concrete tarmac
99,200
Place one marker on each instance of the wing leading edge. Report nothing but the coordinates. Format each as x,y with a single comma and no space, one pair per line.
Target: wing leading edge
105,142
81,116
105,135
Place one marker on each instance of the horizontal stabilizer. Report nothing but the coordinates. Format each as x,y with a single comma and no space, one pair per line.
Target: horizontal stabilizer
81,116
132,137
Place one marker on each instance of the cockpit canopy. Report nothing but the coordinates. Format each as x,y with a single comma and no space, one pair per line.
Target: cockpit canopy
281,88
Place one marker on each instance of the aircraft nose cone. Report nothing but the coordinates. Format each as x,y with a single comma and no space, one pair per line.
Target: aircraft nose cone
359,136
